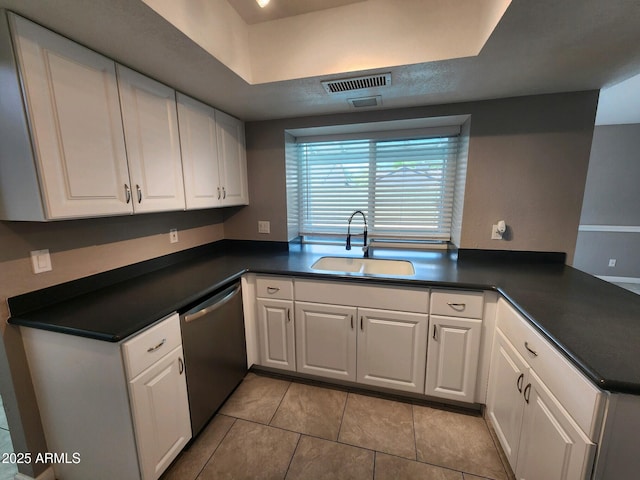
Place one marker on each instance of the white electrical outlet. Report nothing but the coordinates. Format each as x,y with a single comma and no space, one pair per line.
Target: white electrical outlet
173,235
612,262
41,261
264,226
495,233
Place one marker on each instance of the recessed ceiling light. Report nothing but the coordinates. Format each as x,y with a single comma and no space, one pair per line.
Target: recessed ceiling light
263,3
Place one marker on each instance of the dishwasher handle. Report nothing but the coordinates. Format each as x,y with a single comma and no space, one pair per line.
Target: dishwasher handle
212,305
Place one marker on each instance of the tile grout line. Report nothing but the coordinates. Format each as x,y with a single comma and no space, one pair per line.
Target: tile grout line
344,409
279,404
413,424
293,455
217,447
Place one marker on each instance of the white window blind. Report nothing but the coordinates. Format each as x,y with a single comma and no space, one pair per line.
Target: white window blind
405,187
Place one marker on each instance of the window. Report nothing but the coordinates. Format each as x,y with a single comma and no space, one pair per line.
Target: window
404,186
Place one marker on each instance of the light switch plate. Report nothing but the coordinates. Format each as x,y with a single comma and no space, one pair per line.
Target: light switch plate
41,261
264,226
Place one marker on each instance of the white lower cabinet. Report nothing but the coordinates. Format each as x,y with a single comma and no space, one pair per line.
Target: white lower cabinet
509,375
160,410
276,333
392,348
542,437
452,357
326,340
552,446
122,407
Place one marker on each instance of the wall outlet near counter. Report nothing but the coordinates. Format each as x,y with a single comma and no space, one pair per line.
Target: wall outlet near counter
41,261
612,262
173,235
264,226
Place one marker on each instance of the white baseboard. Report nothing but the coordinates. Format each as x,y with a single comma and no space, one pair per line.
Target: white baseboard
48,474
607,278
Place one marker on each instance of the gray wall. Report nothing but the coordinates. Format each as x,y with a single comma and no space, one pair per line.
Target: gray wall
612,198
527,165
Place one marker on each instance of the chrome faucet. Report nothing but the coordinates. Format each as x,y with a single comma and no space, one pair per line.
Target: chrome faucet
365,246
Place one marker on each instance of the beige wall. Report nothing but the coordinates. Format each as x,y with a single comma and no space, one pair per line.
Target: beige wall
528,159
78,248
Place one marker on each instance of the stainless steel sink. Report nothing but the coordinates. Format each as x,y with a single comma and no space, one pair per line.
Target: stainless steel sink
364,265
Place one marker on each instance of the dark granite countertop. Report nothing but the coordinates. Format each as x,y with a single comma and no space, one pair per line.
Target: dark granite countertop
595,324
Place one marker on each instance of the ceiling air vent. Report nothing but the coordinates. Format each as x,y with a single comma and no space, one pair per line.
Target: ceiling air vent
365,102
357,83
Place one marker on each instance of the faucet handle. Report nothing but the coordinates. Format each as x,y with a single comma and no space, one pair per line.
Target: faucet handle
348,246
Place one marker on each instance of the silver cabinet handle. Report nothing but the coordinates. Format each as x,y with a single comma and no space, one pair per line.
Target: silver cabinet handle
139,190
289,315
224,193
351,322
362,323
127,192
218,193
457,306
519,382
435,333
273,289
180,365
153,349
527,392
533,352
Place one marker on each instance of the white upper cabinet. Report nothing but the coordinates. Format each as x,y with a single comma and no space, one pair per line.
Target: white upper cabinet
153,143
81,136
233,160
199,141
71,98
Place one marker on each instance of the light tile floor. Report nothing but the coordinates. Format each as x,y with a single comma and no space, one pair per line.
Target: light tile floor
272,428
7,470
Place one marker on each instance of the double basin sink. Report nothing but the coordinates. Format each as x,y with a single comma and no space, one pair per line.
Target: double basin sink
364,265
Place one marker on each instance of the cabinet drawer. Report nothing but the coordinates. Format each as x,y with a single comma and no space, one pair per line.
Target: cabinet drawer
453,303
151,345
274,287
578,395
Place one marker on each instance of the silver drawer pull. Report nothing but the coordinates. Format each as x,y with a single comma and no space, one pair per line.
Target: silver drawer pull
533,352
153,349
273,289
457,306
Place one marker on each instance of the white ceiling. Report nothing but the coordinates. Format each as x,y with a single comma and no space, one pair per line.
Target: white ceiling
541,46
251,13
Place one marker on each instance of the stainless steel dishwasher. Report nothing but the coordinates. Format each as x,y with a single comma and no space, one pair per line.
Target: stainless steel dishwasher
215,352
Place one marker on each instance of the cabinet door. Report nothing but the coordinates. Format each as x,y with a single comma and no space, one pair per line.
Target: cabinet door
233,160
392,349
552,446
71,95
277,333
160,413
509,375
153,144
198,140
326,340
452,357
